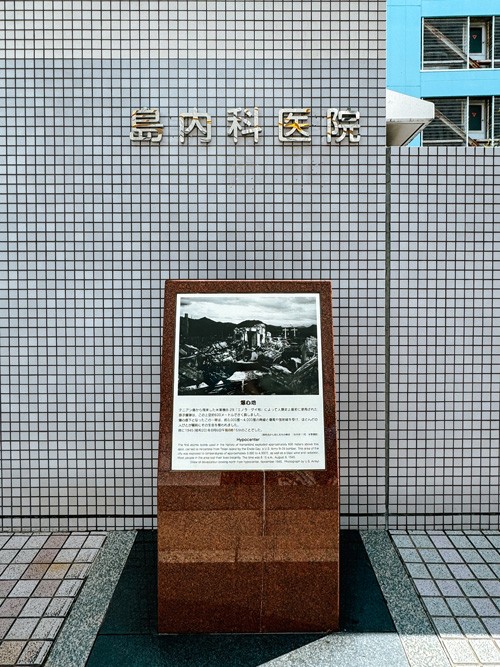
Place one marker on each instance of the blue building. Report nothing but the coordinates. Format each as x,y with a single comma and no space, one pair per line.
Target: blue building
448,52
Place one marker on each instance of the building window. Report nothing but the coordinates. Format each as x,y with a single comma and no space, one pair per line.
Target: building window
461,42
464,121
477,40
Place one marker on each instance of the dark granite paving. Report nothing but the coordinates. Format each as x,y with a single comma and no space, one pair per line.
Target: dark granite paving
128,634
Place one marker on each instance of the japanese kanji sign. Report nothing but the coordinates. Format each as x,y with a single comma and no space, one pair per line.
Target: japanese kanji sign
295,125
195,120
146,126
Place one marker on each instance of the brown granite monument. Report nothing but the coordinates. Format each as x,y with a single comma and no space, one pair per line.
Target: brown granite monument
252,549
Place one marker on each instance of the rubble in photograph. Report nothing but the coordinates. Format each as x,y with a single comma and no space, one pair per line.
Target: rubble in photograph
251,359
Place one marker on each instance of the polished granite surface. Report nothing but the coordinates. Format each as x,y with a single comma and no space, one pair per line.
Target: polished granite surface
249,551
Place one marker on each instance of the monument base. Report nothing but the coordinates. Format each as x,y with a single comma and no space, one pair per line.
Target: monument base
230,561
248,510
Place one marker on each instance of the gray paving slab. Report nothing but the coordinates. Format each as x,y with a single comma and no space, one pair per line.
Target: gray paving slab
347,649
418,637
77,636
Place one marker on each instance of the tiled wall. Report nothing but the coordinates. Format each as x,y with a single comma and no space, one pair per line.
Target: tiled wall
445,342
93,226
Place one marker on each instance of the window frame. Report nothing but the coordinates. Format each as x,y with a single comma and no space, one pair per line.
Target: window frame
487,136
486,58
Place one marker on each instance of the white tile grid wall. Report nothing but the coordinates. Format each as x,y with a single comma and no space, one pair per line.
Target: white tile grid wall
95,225
148,29
445,390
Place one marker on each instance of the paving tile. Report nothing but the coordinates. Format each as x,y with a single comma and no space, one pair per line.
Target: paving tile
471,556
56,571
58,607
5,624
494,539
23,588
418,571
78,570
6,587
46,588
440,571
426,587
490,555
17,541
449,587
6,555
47,628
94,541
86,555
35,571
486,650
483,606
461,541
3,566
441,542
431,556
493,625
421,540
69,588
45,555
472,627
402,541
35,607
36,541
15,571
492,587
479,541
484,571
11,607
447,626
436,606
460,651
56,541
496,569
4,537
410,555
34,653
451,556
22,628
460,607
471,587
75,541
25,556
461,571
10,652
66,556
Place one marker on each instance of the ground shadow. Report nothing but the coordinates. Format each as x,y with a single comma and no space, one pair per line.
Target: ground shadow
128,634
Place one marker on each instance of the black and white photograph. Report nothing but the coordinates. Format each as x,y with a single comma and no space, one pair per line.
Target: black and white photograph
248,344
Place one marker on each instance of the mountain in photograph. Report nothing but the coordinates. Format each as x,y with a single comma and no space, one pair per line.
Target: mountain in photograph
210,329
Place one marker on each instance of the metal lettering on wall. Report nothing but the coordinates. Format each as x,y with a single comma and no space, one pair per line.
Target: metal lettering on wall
146,125
293,123
195,120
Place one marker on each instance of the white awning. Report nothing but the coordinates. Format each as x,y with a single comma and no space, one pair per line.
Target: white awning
406,116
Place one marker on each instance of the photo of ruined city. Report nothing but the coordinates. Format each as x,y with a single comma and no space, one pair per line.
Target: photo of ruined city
248,344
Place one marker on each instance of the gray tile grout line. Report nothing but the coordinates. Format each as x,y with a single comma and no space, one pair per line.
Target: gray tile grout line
416,632
74,643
